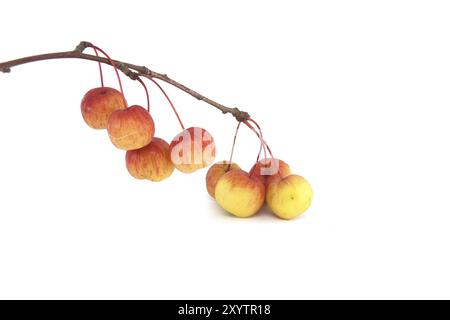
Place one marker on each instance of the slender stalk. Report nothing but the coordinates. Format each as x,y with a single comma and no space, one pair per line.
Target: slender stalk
248,124
232,147
111,61
146,92
170,102
100,69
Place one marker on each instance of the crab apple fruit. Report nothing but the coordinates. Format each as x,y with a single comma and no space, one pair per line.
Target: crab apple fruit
215,172
265,168
98,104
288,197
151,162
239,193
192,149
131,128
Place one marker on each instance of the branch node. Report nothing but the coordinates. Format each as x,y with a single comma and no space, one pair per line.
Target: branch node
5,70
82,46
129,73
132,75
240,115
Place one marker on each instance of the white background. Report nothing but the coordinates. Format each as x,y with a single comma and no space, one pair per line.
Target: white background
354,95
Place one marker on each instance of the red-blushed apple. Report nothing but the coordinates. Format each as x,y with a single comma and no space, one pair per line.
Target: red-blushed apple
131,128
192,149
265,168
98,104
239,193
151,162
215,172
288,197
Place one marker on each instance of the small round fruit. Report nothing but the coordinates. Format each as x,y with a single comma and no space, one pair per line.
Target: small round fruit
192,149
289,197
215,172
240,194
151,162
98,104
131,128
265,168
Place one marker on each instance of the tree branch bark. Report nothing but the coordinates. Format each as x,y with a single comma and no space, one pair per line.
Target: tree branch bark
131,70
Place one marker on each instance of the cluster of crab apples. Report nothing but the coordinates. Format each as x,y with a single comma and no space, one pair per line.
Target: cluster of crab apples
243,194
269,181
132,129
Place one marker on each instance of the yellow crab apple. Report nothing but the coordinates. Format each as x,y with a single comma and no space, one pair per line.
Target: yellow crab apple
267,167
151,162
288,197
98,104
239,193
131,128
215,172
192,149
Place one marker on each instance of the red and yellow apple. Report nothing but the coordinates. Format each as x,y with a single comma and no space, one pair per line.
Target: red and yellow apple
151,162
131,128
239,193
265,168
192,149
98,104
288,197
215,172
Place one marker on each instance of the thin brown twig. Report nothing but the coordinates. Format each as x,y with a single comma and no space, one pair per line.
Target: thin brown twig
131,70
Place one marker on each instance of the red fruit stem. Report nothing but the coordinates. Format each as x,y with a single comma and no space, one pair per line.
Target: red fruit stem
234,143
146,92
100,68
170,102
265,143
112,63
263,146
259,136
